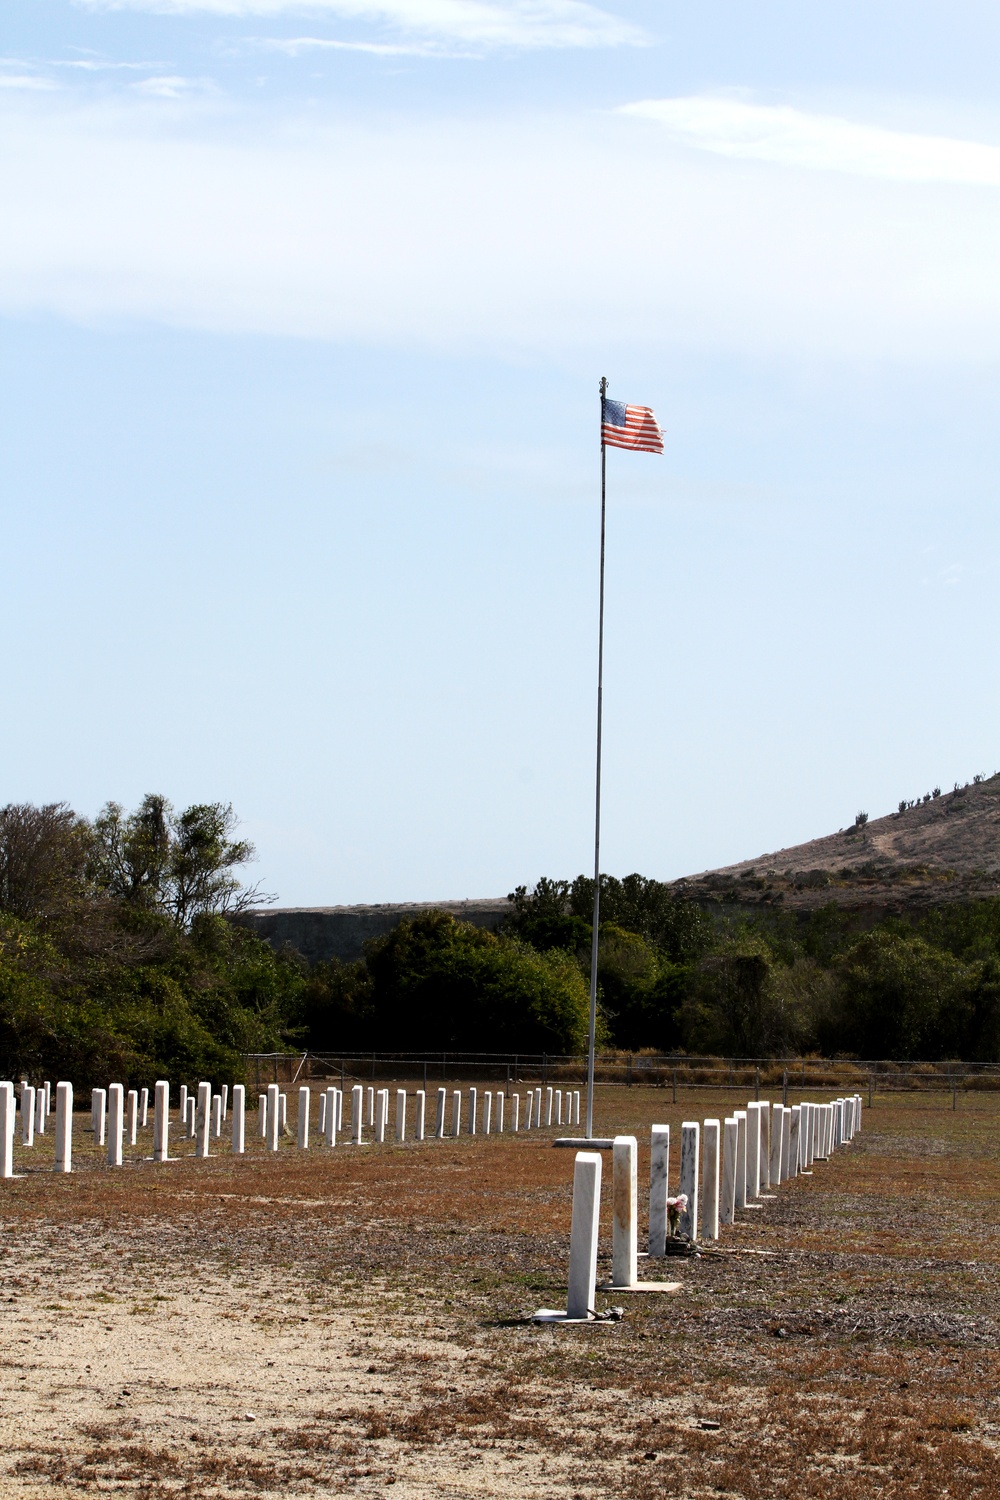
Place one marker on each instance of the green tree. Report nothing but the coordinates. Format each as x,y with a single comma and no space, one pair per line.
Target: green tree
447,985
901,997
180,863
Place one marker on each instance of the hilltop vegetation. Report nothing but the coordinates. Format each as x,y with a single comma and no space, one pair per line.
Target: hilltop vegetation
118,961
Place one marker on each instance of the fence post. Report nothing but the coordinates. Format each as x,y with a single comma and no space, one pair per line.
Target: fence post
954,1090
784,1088
425,1075
756,1083
628,1072
675,1085
871,1085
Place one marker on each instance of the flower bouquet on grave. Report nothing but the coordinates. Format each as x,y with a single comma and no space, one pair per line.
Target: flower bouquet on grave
677,1243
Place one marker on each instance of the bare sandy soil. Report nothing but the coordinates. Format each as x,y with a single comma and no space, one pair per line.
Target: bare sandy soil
353,1323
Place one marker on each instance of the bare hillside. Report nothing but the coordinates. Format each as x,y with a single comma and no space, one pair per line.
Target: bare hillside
946,848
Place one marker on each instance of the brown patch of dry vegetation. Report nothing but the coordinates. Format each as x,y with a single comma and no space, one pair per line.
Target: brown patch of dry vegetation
342,1322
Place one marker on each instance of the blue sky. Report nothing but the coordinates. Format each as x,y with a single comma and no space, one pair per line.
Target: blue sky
304,309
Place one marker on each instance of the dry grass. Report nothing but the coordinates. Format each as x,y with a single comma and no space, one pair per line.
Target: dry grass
352,1322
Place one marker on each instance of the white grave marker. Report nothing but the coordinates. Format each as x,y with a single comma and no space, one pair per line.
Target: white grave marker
690,1141
273,1116
161,1120
730,1146
116,1123
710,1197
239,1114
203,1120
659,1187
64,1127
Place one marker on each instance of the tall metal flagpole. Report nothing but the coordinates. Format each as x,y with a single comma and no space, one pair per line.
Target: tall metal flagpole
597,800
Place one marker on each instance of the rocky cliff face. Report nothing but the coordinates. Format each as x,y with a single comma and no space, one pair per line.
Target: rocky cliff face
323,932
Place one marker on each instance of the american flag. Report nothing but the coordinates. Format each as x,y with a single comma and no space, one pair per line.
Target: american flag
632,427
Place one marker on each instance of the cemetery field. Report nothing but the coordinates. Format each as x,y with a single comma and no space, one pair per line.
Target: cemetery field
352,1322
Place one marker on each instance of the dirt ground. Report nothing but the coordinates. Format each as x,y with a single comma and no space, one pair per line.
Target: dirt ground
353,1322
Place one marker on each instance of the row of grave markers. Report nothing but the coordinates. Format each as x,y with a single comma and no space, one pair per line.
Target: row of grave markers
761,1147
117,1116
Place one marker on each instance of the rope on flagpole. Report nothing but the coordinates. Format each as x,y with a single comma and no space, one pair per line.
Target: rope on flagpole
597,799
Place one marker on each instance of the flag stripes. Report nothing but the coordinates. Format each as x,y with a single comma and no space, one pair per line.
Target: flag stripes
632,427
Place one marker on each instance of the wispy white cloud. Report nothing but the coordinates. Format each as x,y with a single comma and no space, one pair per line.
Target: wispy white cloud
295,46
516,24
169,86
29,81
819,142
481,235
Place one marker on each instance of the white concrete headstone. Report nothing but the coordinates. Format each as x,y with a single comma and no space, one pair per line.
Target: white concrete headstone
794,1166
203,1120
273,1116
8,1111
64,1127
730,1142
690,1142
710,1181
305,1099
418,1129
741,1158
624,1236
583,1235
659,1188
132,1116
239,1117
753,1151
774,1165
116,1123
161,1120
